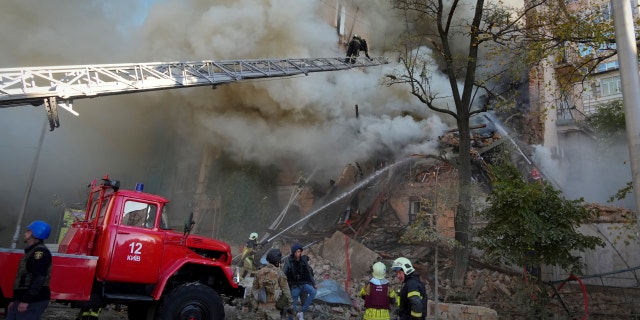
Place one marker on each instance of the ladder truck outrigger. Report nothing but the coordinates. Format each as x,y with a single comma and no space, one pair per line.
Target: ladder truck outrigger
123,251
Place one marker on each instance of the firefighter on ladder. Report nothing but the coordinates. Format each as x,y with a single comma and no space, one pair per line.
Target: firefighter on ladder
356,45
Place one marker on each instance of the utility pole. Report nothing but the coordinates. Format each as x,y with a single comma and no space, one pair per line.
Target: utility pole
628,59
435,226
27,192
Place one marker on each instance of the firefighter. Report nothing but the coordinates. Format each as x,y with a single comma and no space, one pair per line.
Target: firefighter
249,254
412,300
356,45
31,290
271,289
377,294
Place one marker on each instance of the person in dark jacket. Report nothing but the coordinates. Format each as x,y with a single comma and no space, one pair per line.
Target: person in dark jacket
300,277
31,292
356,45
412,300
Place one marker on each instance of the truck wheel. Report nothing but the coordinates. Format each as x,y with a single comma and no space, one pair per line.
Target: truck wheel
192,301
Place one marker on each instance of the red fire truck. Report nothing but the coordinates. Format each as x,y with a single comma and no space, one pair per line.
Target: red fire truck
124,252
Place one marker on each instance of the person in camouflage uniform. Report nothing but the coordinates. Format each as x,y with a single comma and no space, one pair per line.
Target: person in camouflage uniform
271,290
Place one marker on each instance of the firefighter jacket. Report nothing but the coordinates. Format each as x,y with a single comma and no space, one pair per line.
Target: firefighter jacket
271,287
412,300
34,273
298,272
378,296
355,46
248,255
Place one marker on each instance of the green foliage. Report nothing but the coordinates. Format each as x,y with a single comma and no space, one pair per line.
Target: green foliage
622,193
423,229
530,224
608,121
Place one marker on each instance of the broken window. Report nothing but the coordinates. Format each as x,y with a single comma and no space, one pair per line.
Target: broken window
420,210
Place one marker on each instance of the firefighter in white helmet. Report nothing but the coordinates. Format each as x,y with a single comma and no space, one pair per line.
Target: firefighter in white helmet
377,294
249,254
412,300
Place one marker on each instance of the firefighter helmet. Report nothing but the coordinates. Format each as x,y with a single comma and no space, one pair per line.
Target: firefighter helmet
39,229
403,264
274,256
253,236
379,270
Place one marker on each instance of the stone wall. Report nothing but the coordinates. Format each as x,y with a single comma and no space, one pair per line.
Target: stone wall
460,312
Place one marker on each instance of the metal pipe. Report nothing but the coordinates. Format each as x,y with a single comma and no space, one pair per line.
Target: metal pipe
628,58
435,291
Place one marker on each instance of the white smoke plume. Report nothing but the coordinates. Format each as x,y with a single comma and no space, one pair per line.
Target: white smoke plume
310,118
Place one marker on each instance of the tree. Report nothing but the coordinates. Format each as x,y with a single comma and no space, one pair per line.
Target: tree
530,224
480,52
441,26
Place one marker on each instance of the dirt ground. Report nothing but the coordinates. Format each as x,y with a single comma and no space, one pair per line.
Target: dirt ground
59,311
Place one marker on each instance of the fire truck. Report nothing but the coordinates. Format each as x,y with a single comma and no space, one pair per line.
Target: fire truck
123,251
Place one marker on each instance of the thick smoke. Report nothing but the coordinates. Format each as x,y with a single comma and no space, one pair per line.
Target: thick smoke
308,121
582,170
311,119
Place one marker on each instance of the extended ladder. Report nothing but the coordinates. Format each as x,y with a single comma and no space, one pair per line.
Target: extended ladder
60,85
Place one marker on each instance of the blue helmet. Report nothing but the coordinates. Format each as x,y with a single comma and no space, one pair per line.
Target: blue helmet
40,229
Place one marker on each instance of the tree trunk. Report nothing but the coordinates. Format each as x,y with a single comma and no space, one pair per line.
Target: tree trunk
463,215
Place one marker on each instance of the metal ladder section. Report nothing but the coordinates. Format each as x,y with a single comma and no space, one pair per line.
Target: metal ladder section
62,84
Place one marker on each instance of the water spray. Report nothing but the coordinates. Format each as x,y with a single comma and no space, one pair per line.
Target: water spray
491,118
356,187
